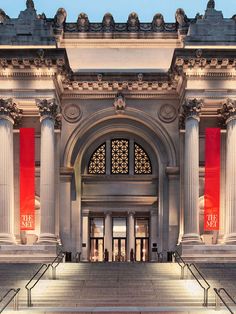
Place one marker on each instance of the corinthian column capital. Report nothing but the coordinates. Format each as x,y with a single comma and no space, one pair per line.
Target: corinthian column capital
10,111
48,108
228,110
191,108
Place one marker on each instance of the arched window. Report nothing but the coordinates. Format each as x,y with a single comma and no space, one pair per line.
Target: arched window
124,157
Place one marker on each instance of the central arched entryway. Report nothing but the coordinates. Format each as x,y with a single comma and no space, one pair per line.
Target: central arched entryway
119,199
113,200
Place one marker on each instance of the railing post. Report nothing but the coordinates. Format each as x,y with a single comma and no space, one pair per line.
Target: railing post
54,273
29,304
182,273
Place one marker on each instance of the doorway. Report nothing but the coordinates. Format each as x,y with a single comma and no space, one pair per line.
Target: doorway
96,249
119,249
141,249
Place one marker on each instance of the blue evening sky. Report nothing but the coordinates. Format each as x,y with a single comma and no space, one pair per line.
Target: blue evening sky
120,9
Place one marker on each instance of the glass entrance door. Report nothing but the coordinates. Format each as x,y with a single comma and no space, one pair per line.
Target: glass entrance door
96,249
119,250
141,249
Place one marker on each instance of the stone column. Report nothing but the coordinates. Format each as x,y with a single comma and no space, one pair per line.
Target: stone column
108,234
229,115
9,114
191,111
153,233
131,234
49,112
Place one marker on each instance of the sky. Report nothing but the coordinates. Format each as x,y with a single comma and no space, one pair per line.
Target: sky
120,9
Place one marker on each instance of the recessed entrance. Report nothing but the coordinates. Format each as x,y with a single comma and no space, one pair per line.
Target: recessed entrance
141,239
119,239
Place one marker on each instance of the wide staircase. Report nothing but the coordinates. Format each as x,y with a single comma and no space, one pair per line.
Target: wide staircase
115,288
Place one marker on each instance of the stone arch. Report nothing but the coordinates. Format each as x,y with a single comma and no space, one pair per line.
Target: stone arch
144,127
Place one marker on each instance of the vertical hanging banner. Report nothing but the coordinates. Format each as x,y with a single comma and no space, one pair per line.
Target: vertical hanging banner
27,179
212,179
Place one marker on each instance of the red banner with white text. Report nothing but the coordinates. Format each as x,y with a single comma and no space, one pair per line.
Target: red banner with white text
212,180
27,179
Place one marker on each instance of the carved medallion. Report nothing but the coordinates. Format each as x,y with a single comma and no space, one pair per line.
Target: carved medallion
167,113
72,113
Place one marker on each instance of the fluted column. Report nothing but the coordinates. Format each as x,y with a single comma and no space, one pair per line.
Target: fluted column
108,234
48,111
9,113
191,110
229,114
131,234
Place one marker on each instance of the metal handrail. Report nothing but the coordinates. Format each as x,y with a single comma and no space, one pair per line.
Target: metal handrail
57,260
29,298
217,292
13,297
206,289
176,254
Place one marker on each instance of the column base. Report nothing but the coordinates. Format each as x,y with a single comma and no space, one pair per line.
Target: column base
191,238
7,238
47,238
230,239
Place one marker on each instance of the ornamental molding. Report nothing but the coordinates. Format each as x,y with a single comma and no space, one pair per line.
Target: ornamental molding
115,86
72,113
32,63
191,108
182,64
119,103
167,113
227,112
9,110
103,95
48,108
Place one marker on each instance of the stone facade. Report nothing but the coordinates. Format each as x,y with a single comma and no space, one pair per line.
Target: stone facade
119,111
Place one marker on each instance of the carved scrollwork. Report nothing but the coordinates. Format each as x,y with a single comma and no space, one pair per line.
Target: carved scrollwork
48,108
9,109
211,4
191,108
83,23
60,18
108,23
72,113
167,113
3,17
158,23
133,23
119,103
181,19
30,4
227,111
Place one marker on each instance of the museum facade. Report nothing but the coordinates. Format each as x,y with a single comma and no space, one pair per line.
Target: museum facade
119,113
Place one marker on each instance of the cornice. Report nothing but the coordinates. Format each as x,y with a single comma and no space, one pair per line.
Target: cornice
205,62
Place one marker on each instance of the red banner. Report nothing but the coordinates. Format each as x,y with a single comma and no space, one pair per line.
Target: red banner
212,179
27,177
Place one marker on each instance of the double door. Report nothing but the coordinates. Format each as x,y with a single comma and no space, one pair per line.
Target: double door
119,249
141,249
96,249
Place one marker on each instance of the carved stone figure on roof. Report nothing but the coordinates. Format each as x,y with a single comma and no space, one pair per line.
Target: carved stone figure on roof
211,4
108,23
133,22
30,4
3,17
158,23
181,18
60,18
83,23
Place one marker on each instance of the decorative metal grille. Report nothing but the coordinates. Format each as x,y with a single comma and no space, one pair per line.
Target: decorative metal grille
119,156
97,163
142,163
